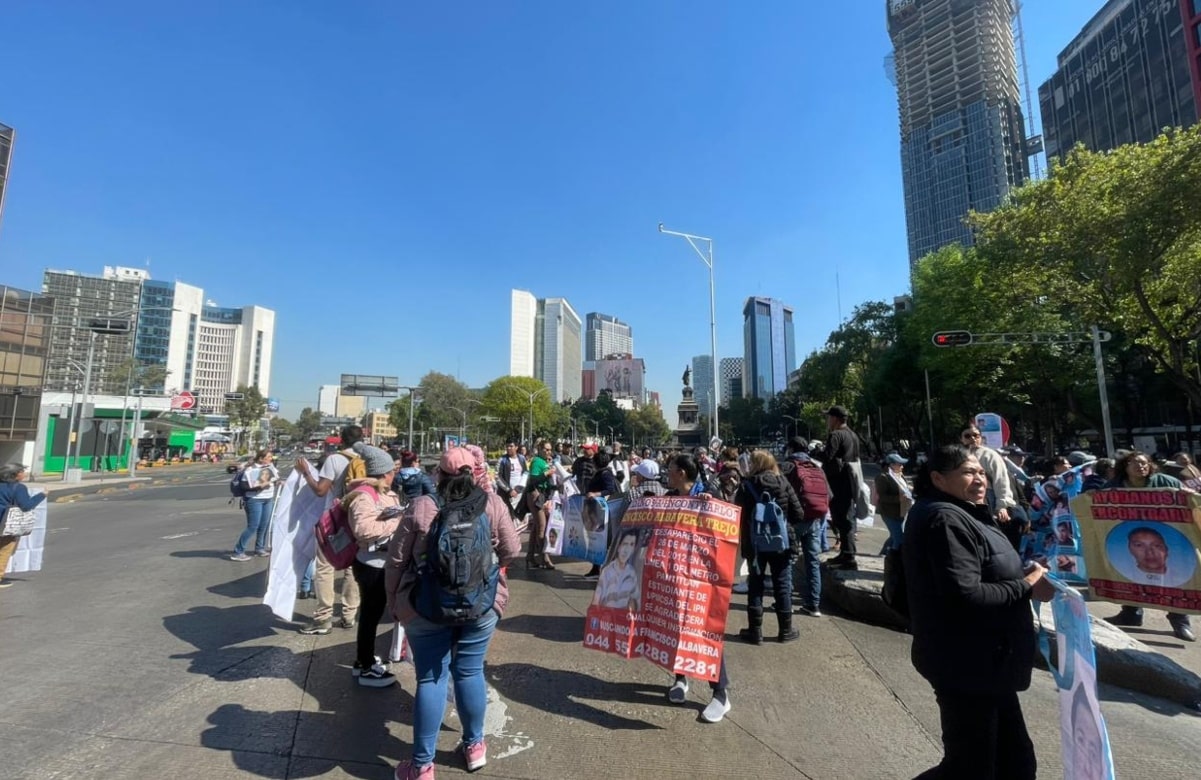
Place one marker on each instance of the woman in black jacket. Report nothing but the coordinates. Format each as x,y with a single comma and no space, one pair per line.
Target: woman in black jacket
973,630
764,478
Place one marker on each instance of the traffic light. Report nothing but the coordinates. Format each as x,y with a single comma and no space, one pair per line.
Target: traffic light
952,338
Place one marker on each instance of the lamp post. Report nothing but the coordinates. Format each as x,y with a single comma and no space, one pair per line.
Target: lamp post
108,326
412,394
531,396
707,259
794,424
463,426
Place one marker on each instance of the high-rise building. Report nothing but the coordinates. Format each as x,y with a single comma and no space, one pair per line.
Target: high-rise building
702,380
25,323
546,342
7,137
522,316
962,134
606,335
730,384
206,349
770,347
1192,21
1124,78
327,400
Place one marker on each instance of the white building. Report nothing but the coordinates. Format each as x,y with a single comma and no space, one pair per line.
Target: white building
327,400
606,335
524,311
546,342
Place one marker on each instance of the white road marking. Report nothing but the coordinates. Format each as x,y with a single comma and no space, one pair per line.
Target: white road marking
496,721
181,536
56,530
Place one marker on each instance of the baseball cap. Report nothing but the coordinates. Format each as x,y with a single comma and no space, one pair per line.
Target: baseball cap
456,458
798,444
837,411
895,458
1014,450
647,469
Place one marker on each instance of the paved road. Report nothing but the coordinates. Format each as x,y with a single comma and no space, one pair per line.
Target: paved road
142,652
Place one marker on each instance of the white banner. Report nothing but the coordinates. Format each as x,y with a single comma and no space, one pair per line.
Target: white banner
294,542
28,556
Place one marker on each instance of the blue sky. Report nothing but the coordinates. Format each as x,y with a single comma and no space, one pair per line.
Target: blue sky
383,173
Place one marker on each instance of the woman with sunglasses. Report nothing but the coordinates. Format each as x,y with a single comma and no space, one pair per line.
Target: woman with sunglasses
540,485
1137,470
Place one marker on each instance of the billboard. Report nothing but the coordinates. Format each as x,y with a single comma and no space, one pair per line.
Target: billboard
273,405
373,386
622,378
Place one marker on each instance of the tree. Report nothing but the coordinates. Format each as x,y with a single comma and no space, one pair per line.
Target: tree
307,424
131,373
646,426
509,399
247,412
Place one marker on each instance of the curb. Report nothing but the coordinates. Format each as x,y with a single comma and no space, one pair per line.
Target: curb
1122,660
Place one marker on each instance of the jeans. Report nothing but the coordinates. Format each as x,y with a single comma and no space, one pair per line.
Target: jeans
895,533
984,738
258,524
459,650
825,531
306,582
374,598
808,567
781,581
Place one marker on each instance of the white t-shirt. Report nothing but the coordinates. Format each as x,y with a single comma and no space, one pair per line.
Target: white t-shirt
332,469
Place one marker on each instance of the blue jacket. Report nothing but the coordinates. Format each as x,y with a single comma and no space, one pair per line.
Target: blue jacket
16,494
413,482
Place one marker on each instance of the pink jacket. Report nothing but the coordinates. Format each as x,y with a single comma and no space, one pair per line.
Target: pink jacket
401,571
363,511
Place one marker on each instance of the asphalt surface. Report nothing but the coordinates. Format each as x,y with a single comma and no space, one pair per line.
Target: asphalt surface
141,651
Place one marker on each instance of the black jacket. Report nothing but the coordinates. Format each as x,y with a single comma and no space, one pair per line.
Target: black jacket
785,496
842,449
969,605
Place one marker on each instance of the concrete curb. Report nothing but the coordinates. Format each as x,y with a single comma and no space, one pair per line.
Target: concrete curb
1121,659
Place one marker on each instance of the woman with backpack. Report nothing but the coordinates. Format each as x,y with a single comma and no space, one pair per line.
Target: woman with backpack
13,494
765,487
260,477
442,650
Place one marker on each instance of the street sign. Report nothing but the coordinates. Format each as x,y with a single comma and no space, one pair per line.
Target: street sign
183,401
952,338
371,386
234,396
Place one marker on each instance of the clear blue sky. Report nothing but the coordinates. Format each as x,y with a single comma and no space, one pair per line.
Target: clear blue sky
383,173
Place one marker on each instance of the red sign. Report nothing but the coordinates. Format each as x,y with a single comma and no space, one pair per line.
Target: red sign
183,401
665,591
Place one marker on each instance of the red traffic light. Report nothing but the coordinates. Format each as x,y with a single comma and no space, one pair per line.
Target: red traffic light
952,338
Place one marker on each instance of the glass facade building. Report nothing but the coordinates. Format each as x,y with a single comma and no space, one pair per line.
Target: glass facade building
7,137
605,335
702,381
769,344
25,321
77,300
1124,78
731,379
963,142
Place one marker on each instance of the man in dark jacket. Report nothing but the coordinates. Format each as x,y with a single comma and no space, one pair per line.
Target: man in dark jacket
840,452
510,478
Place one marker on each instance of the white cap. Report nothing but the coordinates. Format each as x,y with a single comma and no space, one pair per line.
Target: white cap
647,469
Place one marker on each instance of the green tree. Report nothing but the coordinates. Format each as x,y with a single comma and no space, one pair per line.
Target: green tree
247,412
307,425
646,426
133,374
509,399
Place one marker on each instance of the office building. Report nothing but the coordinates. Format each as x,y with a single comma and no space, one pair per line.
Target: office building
522,316
204,348
327,400
770,347
730,384
546,341
1128,74
702,382
1191,10
7,137
25,322
962,133
605,335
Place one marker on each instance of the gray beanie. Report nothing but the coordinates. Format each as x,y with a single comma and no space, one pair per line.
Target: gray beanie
377,461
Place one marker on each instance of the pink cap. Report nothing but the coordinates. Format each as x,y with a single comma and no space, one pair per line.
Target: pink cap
456,458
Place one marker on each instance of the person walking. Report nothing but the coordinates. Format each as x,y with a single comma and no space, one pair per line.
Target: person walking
840,461
14,494
973,629
448,652
763,480
893,499
261,477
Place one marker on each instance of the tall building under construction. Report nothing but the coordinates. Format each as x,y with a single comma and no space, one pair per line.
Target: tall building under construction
963,141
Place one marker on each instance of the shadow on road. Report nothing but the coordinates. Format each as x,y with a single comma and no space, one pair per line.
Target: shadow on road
556,628
558,692
253,585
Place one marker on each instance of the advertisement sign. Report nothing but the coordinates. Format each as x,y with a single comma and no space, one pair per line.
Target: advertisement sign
273,405
1142,546
664,591
370,386
622,378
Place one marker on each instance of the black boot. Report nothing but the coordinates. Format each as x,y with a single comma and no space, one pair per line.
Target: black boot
753,633
1129,616
787,632
1182,627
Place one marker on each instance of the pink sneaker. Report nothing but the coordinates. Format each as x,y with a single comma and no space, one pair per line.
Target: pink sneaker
476,755
406,771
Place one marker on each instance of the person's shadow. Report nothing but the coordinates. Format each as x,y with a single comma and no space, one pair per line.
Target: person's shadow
558,692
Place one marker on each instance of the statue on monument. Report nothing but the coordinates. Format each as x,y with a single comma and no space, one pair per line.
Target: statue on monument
687,376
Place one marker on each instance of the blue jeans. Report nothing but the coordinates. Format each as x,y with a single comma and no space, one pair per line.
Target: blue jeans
808,567
895,533
825,526
459,650
306,582
258,524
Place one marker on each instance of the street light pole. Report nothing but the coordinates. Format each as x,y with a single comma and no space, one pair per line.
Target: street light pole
412,393
707,259
73,436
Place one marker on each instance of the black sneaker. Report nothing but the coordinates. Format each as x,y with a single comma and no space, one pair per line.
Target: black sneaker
376,677
357,669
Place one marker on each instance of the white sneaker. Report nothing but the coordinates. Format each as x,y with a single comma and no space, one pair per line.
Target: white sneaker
678,692
717,708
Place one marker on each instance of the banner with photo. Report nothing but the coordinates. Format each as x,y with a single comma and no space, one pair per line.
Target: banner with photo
31,546
1054,539
587,524
1142,546
1083,735
293,542
664,591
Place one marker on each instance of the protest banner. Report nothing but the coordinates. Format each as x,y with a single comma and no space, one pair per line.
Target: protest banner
294,542
1083,735
1054,539
664,592
585,528
994,430
28,555
1142,546
554,529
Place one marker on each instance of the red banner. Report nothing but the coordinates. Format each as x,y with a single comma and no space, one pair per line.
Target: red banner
664,591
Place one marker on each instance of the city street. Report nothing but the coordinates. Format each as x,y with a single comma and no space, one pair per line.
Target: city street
141,651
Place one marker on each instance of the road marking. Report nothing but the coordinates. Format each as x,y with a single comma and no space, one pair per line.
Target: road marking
181,536
496,721
56,530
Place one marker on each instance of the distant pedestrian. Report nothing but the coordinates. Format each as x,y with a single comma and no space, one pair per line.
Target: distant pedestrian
840,462
411,480
893,499
261,477
765,480
14,494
